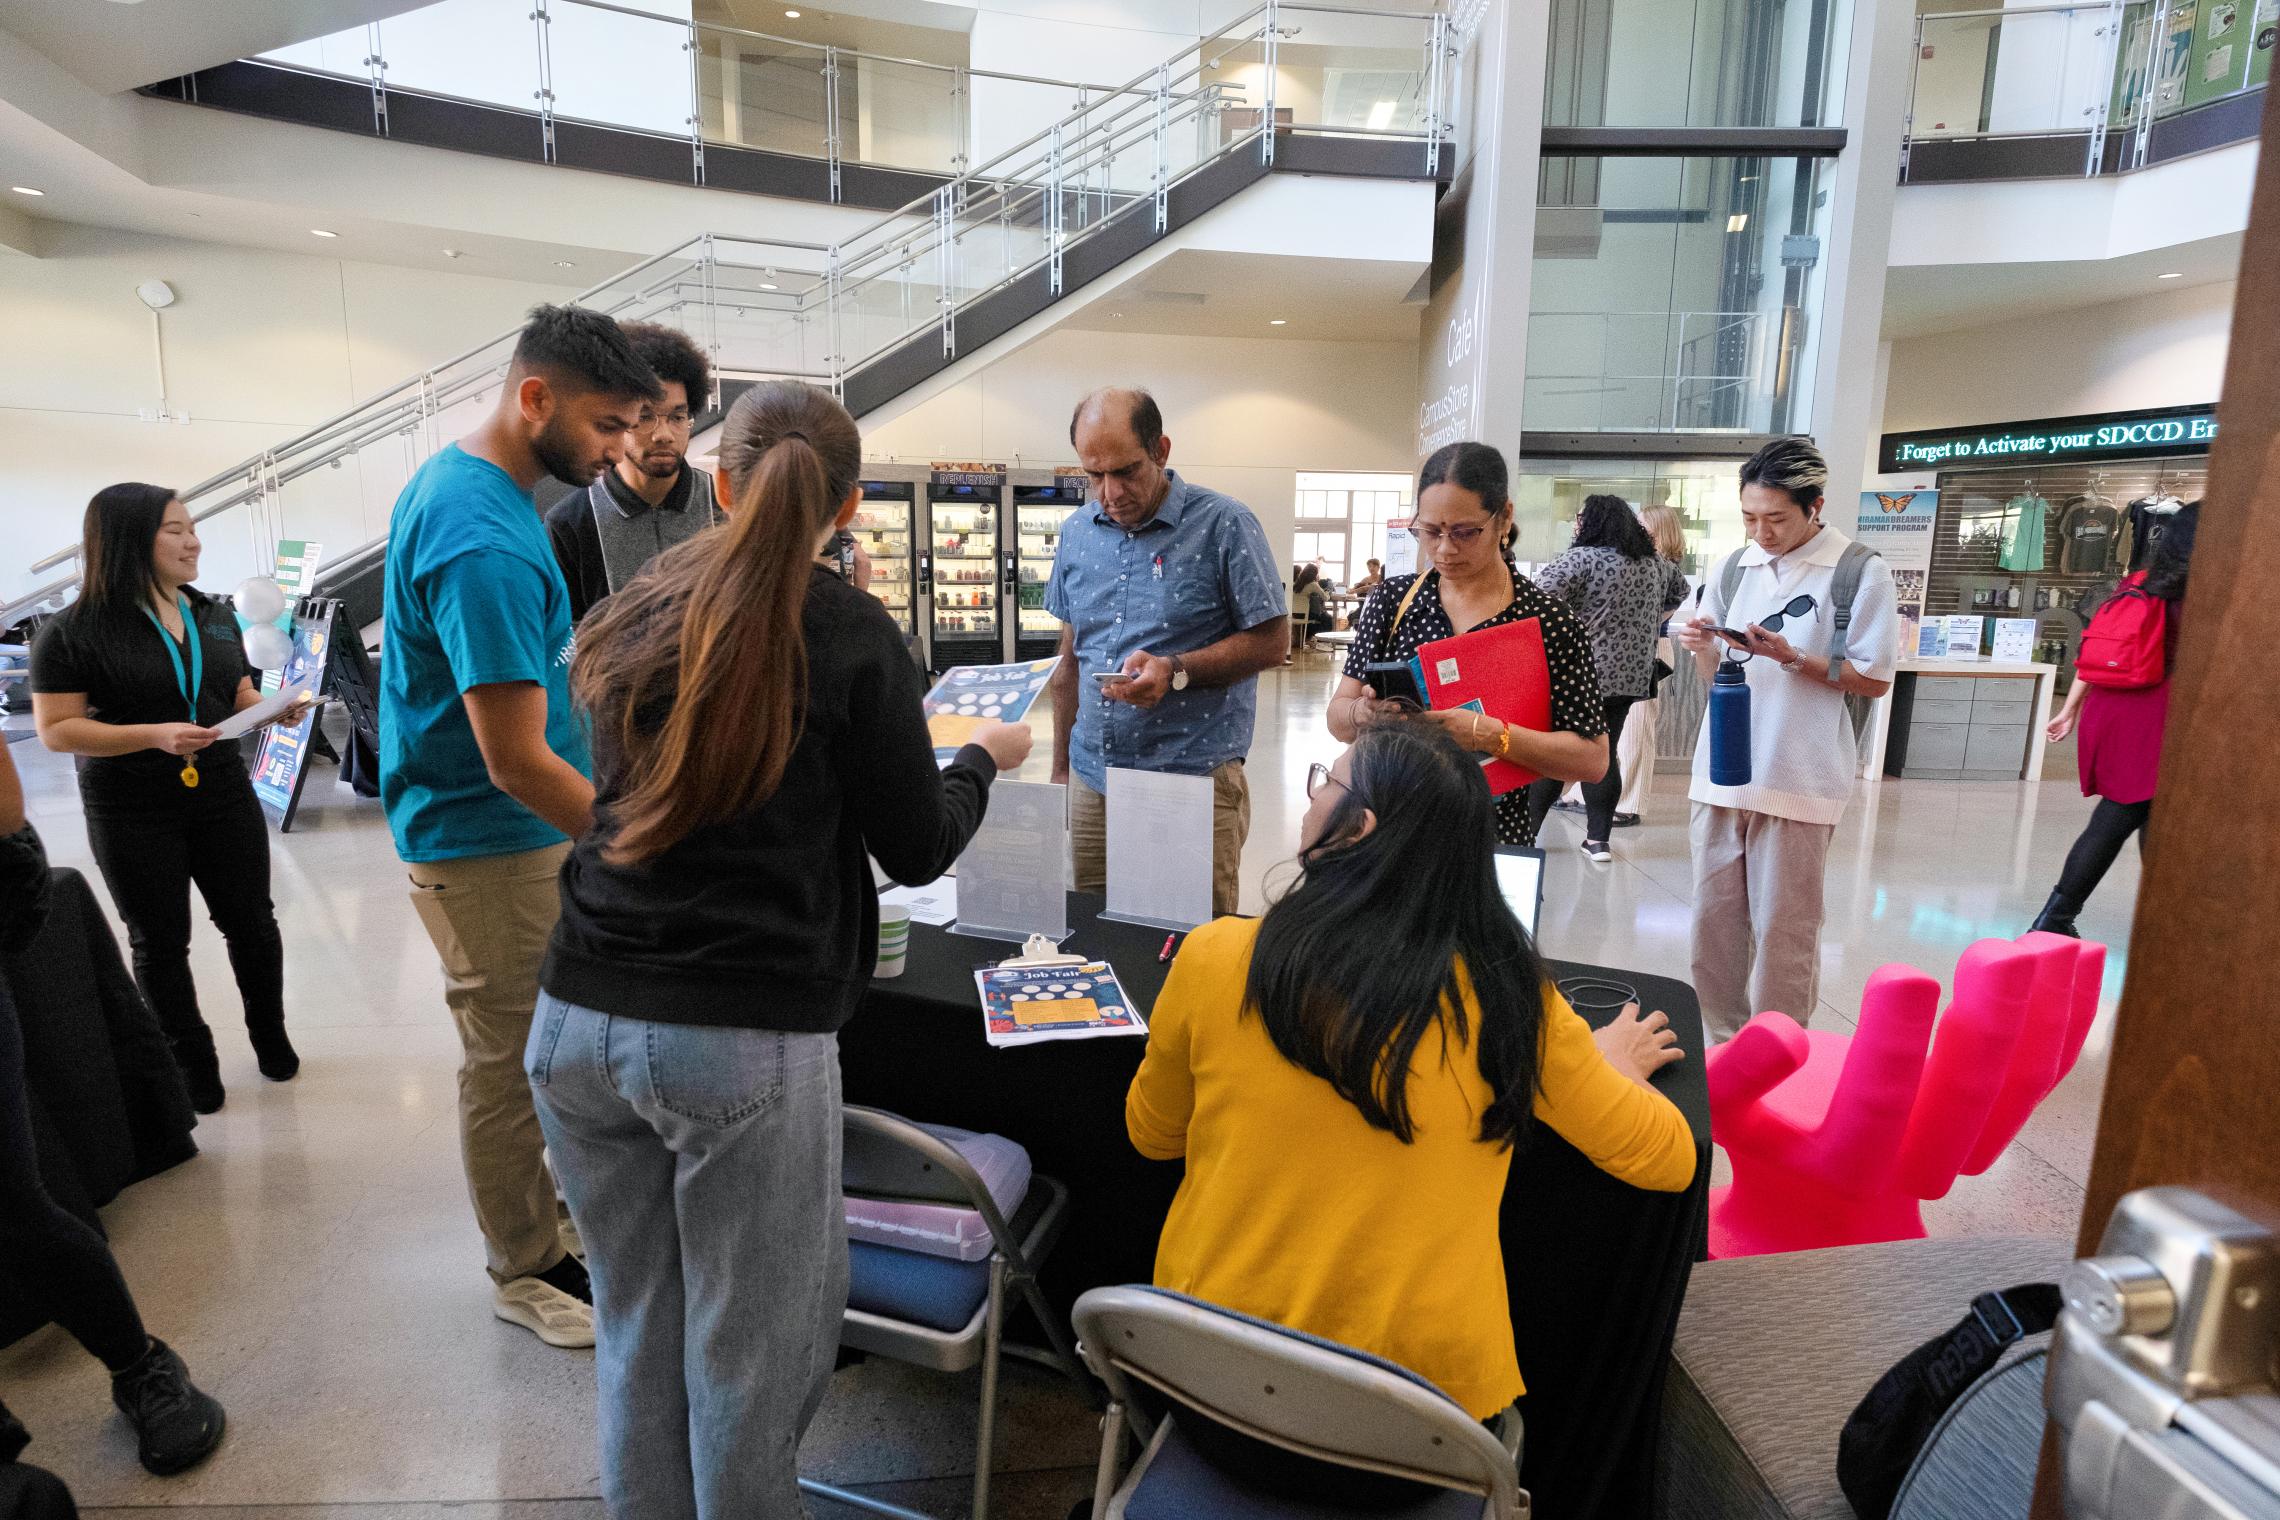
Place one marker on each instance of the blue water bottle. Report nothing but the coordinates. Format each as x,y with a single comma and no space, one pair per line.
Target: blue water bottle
1730,725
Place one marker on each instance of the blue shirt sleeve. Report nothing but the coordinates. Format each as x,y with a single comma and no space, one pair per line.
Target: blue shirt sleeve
488,610
1249,576
1056,582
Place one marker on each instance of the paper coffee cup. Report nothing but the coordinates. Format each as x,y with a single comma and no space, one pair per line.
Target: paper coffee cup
894,939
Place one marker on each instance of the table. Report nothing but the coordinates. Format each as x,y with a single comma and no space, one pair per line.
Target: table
1597,1269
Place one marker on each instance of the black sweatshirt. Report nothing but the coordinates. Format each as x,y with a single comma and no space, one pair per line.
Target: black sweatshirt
770,920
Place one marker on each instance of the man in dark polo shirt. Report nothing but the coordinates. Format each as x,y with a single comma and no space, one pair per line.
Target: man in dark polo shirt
653,498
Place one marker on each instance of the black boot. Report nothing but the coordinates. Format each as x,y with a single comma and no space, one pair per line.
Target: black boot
2057,916
176,1425
279,1061
201,1069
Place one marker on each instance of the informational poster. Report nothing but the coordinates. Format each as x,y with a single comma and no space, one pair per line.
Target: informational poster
280,766
1159,848
971,695
1898,524
1965,633
296,571
2015,639
1400,548
1013,878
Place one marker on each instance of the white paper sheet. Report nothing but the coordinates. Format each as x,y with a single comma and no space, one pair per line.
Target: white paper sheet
2015,638
1159,848
261,712
934,903
1964,631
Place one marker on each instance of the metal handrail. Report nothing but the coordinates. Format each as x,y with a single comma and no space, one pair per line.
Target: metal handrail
1041,171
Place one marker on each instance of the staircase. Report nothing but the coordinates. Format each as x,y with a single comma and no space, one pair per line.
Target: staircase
905,298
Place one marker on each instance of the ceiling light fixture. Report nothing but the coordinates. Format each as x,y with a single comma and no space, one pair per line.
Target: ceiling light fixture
320,232
1738,221
1278,322
454,253
564,264
2174,274
791,15
26,190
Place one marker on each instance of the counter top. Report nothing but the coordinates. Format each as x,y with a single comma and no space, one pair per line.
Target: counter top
1977,667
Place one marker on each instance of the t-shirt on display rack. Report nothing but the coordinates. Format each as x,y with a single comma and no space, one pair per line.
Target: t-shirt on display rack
2050,541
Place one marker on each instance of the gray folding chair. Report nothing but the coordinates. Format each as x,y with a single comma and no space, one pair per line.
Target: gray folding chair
931,1311
1294,1391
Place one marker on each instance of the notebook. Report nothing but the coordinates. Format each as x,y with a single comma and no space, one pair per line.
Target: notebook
1499,671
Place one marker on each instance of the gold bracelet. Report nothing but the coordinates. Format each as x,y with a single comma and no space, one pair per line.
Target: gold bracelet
1504,741
1474,733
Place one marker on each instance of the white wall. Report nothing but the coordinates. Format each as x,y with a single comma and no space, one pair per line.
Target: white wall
2158,350
259,346
1244,415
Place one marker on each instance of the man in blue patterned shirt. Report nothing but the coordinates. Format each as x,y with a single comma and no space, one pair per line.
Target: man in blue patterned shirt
1175,587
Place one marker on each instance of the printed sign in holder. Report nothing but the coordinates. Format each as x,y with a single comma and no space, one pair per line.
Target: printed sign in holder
1013,877
1159,848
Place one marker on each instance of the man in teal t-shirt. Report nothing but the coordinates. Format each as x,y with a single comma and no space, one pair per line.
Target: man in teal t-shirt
484,762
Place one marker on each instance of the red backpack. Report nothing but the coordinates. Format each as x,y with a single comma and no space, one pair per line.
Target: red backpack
2126,644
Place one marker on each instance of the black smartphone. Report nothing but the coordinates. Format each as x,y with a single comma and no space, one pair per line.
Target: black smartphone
1393,678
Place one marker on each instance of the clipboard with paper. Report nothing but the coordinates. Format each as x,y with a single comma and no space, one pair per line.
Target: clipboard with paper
1042,995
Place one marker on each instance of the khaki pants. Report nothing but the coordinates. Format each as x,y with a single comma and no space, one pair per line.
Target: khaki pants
489,917
1230,826
1757,915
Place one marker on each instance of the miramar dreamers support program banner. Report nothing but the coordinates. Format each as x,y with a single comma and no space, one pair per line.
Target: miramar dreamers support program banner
1898,525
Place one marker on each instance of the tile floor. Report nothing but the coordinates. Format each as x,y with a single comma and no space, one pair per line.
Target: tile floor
318,1265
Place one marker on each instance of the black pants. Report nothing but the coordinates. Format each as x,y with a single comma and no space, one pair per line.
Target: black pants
2110,827
150,855
1599,796
48,1259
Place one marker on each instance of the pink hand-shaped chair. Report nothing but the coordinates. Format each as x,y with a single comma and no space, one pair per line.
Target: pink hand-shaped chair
1837,1139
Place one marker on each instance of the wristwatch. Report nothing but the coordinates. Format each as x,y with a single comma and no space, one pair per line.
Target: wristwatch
1179,674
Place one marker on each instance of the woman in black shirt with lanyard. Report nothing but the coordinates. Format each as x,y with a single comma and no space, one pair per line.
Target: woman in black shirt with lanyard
132,678
1463,527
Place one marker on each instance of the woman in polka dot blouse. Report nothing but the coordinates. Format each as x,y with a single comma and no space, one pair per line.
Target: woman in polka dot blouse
1463,527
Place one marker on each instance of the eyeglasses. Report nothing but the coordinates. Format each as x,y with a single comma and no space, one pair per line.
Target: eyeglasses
1430,534
678,419
1318,776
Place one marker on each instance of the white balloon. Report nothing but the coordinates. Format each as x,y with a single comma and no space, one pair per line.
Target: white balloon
267,647
260,599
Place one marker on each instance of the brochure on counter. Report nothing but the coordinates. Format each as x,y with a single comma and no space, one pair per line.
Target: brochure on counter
1078,1000
971,695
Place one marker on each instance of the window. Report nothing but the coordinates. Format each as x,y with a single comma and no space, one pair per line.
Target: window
1342,521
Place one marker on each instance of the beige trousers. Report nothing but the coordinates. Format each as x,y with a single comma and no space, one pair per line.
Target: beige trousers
1230,826
1757,915
489,917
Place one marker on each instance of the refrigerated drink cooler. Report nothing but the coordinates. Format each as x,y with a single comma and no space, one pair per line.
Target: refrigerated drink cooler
1041,504
965,512
886,526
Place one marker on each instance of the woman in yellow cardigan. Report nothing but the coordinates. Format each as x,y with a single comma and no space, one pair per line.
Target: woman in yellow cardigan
1346,1078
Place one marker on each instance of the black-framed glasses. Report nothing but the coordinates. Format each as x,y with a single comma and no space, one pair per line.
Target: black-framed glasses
1459,534
1318,776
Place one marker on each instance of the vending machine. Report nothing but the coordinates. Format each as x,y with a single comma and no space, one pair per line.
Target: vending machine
965,510
1042,501
886,528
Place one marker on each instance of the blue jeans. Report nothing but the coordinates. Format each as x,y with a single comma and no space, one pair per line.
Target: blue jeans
702,1168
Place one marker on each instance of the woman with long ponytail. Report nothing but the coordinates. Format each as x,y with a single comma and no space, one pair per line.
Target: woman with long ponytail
758,731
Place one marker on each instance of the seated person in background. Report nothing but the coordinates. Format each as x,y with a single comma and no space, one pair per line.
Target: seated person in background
1309,606
1369,582
1347,1075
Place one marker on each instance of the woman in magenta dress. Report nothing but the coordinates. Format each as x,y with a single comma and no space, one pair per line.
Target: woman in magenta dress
2120,748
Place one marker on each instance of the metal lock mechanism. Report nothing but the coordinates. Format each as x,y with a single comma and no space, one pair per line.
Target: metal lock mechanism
2162,1372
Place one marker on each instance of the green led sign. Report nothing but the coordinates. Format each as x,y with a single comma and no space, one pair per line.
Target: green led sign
2107,435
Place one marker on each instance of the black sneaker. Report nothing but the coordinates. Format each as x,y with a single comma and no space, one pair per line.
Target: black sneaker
176,1426
1626,820
569,1276
201,1071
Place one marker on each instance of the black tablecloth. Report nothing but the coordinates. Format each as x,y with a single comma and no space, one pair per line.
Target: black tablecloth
1597,1269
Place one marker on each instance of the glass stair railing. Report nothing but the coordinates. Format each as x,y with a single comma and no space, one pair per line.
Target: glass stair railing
896,289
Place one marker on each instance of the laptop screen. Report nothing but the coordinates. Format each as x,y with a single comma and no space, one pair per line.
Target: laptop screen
1520,873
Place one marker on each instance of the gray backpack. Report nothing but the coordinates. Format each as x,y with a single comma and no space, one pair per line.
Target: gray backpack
1844,590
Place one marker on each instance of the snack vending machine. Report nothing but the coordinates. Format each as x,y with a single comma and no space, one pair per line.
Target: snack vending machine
965,511
885,528
1041,503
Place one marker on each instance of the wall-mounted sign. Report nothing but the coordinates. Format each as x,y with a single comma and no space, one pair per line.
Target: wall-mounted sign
963,473
2104,435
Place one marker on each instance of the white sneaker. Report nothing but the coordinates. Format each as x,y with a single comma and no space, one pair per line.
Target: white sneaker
547,1312
566,1230
1596,851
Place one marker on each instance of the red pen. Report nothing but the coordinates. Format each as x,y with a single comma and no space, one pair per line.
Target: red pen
1165,954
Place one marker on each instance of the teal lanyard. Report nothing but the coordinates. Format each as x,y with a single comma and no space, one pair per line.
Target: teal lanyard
196,678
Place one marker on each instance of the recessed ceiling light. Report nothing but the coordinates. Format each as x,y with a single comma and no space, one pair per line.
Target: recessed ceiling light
454,253
2174,274
564,264
1738,221
26,190
767,284
791,15
320,232
1278,322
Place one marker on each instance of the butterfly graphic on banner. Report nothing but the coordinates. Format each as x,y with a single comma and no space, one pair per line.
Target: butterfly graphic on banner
1895,504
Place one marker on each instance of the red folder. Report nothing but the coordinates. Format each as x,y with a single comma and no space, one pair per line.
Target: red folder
1502,668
